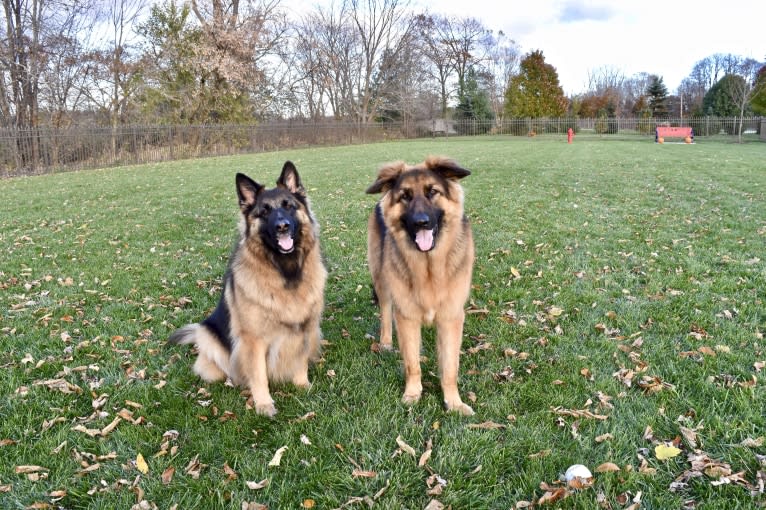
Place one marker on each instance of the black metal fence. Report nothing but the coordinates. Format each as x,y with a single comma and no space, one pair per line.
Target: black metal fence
46,150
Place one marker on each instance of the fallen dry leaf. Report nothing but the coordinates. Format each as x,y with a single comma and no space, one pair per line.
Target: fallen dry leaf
607,467
359,473
578,413
405,447
141,464
752,443
487,425
167,475
254,486
665,452
553,495
194,468
29,469
425,457
277,457
434,505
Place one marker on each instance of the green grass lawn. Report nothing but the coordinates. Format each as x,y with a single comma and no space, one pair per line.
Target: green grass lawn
617,306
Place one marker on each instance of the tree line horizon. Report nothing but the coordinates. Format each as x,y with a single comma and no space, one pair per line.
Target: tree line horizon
122,62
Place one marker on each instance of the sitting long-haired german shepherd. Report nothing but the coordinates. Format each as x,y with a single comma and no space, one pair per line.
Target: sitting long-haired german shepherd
266,325
420,254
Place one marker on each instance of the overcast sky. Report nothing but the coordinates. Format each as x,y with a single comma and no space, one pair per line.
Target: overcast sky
577,36
659,37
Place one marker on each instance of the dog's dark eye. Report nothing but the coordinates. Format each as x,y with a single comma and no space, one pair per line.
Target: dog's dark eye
287,204
265,210
432,192
406,195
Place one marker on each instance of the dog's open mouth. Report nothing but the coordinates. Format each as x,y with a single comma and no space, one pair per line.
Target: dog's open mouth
286,243
425,239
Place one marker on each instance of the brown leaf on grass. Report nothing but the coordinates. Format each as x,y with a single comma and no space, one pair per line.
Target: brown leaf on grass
109,428
254,486
541,454
586,373
625,376
752,443
482,346
690,435
308,503
426,455
405,447
435,484
167,475
277,458
252,505
194,467
604,437
651,385
645,469
486,425
434,505
26,469
99,402
61,385
759,365
229,472
607,467
359,473
89,469
552,495
578,413
57,495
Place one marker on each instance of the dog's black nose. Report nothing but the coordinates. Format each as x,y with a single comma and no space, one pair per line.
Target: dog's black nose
421,220
283,225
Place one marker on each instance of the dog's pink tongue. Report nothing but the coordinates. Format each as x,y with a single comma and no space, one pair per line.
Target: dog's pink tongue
285,242
424,239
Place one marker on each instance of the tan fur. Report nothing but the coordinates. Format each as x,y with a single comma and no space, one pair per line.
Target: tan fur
274,326
417,288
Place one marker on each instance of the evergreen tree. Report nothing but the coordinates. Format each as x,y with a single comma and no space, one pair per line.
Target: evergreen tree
758,100
178,88
719,99
535,91
473,103
657,93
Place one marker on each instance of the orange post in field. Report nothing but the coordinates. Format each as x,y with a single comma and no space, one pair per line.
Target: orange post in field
570,135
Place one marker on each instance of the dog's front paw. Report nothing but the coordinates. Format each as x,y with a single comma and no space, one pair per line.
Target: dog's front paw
411,398
460,408
266,409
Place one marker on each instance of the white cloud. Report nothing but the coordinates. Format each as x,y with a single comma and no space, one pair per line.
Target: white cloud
663,38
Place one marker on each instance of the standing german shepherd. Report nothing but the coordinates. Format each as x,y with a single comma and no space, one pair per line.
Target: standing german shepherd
420,253
266,325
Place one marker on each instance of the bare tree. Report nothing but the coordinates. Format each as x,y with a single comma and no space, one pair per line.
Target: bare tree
329,62
439,55
239,37
501,64
23,57
382,26
740,91
67,70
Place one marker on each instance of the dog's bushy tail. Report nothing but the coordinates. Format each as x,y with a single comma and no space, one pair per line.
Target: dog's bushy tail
185,335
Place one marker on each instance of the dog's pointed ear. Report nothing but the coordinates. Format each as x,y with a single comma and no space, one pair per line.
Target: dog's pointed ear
247,191
387,176
447,168
290,180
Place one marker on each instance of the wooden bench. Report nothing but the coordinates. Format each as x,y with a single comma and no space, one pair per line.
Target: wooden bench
663,132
